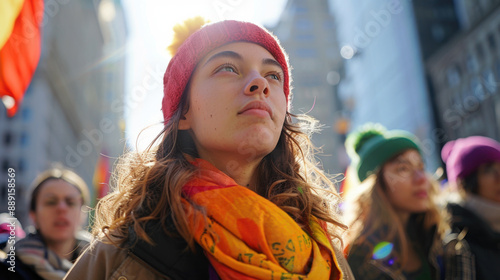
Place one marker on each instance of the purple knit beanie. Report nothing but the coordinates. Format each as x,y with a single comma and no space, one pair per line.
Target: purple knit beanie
463,156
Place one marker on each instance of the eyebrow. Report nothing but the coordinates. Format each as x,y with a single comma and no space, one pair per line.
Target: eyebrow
270,61
52,195
407,161
231,54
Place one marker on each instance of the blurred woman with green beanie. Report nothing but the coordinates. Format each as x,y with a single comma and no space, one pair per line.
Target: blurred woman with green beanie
397,230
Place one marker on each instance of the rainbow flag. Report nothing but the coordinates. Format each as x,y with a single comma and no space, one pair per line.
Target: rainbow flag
347,183
101,177
20,45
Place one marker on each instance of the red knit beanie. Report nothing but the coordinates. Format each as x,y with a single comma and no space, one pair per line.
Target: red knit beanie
208,38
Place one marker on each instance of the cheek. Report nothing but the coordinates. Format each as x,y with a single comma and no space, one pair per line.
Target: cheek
76,213
43,213
43,219
398,194
485,187
394,196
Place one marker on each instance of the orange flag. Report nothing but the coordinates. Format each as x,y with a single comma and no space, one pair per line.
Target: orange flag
20,45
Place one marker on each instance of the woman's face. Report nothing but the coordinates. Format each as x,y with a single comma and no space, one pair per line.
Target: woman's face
237,105
488,179
408,187
58,210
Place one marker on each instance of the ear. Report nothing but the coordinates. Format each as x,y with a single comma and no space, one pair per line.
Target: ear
185,122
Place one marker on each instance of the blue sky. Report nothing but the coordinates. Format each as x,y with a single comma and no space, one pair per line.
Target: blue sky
150,25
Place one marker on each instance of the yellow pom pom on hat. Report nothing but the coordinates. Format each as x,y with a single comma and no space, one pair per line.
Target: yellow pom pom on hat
183,30
195,38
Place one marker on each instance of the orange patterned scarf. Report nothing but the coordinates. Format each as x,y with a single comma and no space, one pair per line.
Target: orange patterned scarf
248,237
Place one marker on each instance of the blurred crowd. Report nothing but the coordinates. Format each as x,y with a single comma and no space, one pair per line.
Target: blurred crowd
400,217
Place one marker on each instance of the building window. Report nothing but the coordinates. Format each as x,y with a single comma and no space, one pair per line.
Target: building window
305,37
23,165
300,9
492,43
304,24
477,88
497,66
7,138
480,51
26,113
3,192
453,74
471,63
438,32
489,80
5,165
25,139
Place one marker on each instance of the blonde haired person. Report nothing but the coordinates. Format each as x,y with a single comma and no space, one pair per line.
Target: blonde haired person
231,191
397,230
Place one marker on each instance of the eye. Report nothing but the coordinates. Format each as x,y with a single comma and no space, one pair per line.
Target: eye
276,76
70,202
51,202
490,169
403,169
227,67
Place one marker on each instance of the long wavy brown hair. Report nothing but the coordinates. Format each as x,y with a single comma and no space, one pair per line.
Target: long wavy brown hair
148,185
369,213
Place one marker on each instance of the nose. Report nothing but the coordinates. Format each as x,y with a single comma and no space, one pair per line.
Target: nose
256,85
419,177
62,205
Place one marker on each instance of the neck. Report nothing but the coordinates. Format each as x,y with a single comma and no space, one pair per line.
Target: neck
403,217
486,209
63,249
241,171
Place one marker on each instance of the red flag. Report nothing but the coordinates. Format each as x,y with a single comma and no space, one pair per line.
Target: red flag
20,54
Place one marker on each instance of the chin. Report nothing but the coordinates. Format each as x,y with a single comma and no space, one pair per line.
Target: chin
421,209
262,142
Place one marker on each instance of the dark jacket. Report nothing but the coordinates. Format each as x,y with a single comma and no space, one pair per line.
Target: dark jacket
444,261
483,241
169,258
22,271
365,266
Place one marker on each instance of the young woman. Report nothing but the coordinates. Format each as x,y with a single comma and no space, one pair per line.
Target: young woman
231,192
473,166
56,202
396,228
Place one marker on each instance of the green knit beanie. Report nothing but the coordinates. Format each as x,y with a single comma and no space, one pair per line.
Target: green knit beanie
373,145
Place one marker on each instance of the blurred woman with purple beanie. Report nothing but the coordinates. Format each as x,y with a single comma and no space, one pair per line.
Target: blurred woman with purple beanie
473,166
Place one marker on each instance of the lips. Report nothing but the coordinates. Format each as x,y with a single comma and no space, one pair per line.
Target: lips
257,105
420,194
62,222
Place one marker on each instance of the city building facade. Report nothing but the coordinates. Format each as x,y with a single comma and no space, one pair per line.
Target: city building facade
464,75
73,110
384,78
307,31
